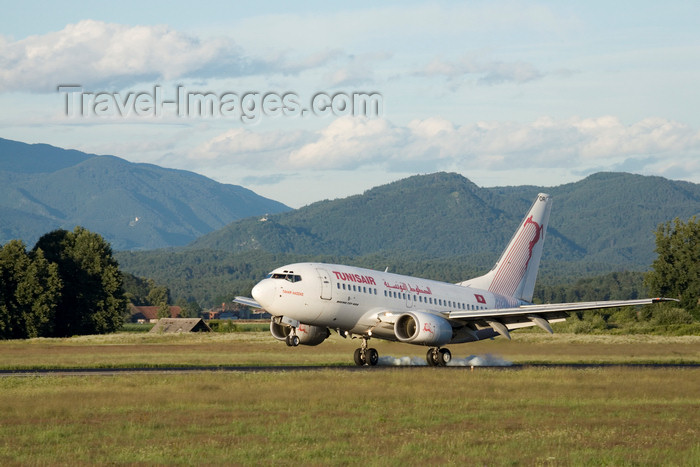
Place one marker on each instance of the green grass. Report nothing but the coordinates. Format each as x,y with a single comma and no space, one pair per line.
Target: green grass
330,416
610,416
128,350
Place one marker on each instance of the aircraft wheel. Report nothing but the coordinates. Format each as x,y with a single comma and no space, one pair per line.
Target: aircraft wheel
372,357
359,361
444,357
430,357
292,340
288,340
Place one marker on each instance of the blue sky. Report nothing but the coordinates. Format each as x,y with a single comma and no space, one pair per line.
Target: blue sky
505,93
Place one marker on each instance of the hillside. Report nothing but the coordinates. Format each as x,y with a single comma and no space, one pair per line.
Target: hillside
134,206
606,218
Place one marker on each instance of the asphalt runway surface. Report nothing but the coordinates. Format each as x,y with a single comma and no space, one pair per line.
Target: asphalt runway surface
290,368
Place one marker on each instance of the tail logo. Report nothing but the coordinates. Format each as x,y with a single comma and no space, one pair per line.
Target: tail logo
538,231
514,266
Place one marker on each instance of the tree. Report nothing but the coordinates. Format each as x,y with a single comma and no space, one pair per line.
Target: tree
92,298
189,308
135,289
158,294
676,271
164,310
29,290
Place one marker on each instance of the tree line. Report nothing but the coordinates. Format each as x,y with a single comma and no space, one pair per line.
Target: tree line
68,284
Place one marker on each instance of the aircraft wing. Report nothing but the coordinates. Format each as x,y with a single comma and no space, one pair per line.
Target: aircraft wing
501,320
552,308
247,301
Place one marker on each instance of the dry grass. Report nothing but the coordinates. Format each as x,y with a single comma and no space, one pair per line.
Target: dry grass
128,350
611,416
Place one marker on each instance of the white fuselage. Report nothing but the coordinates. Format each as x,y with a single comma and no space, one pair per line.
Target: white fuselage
349,299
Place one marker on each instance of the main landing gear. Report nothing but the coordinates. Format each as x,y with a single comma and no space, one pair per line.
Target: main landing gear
365,356
438,357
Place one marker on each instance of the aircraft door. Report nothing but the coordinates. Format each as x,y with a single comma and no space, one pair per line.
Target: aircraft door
409,300
326,286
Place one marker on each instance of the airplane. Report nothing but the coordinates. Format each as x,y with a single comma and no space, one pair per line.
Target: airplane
308,300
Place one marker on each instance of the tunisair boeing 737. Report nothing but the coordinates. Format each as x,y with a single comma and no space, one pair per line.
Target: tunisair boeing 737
308,300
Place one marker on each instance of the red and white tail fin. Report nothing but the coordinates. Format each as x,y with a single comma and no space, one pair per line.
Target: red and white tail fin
515,272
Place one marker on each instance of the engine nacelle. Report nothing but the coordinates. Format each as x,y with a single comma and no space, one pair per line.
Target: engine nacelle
423,328
308,335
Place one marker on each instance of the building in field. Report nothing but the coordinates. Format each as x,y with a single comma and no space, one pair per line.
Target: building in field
177,325
149,314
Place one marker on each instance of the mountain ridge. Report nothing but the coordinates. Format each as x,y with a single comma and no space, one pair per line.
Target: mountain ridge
606,217
132,205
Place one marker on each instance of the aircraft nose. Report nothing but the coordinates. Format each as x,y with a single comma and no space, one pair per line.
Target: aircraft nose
264,293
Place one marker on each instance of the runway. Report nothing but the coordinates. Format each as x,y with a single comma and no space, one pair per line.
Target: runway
311,368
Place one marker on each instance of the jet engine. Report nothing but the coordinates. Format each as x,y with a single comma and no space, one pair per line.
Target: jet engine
423,328
308,335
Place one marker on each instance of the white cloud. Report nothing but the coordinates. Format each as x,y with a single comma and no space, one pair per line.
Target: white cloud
249,148
606,136
94,53
482,72
97,53
437,144
356,69
348,143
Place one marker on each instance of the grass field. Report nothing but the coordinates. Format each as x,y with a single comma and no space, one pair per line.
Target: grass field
379,416
259,348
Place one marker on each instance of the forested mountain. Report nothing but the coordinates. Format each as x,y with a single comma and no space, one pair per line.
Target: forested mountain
440,226
133,206
606,218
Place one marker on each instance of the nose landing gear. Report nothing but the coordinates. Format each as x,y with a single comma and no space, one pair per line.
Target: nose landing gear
292,340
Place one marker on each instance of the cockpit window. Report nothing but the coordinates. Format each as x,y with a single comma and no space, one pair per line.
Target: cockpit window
285,276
